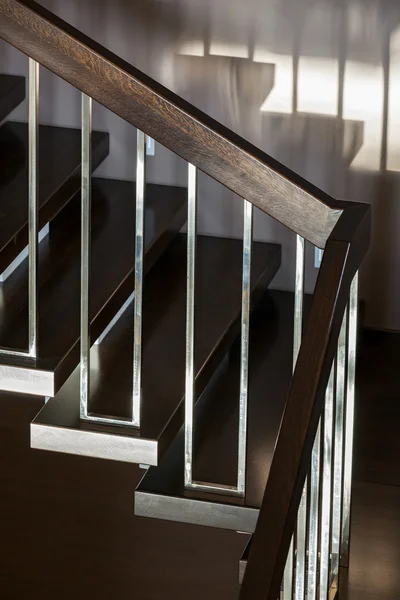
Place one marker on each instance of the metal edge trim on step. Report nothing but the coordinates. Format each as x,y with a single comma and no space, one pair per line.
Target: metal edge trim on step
94,444
195,512
25,380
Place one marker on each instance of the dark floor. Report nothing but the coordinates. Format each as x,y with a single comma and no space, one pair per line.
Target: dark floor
67,528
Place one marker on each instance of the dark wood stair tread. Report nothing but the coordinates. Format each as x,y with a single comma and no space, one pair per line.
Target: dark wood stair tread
113,222
161,493
218,304
59,178
12,93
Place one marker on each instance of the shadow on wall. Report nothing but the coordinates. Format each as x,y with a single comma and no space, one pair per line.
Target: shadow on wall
314,83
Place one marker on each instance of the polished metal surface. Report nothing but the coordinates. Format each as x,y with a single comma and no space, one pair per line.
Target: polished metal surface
287,584
240,487
190,317
294,573
244,345
313,518
326,497
139,257
86,186
33,159
301,528
338,448
349,420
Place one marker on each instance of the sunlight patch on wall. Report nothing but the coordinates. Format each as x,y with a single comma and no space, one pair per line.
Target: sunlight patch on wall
363,101
318,85
393,158
279,99
231,50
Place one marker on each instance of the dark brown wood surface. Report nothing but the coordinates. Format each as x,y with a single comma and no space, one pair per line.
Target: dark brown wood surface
173,122
161,493
74,515
113,222
59,178
343,254
12,93
218,304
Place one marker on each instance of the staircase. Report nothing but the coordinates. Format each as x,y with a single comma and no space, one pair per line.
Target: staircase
153,345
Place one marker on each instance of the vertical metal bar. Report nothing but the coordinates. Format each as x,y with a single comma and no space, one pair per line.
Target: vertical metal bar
326,503
139,254
190,316
86,186
244,344
338,451
301,518
302,512
33,150
349,419
314,517
287,588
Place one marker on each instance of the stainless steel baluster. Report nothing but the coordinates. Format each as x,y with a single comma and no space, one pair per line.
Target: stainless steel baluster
33,161
190,321
302,512
288,576
86,186
312,571
338,448
244,345
326,503
349,420
139,256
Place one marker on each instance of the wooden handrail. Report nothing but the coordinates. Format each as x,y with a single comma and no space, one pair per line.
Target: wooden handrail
270,543
170,120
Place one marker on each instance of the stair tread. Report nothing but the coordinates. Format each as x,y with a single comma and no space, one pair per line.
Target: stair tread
59,178
161,493
112,255
12,93
218,303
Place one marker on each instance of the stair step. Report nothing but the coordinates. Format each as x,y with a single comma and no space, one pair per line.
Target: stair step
12,93
218,304
59,179
161,493
113,222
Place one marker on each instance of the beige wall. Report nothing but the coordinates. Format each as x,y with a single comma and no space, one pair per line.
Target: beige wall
235,60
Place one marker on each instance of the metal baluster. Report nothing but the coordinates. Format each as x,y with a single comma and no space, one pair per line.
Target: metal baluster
244,345
302,513
139,254
326,504
85,253
314,517
349,420
33,126
190,316
244,348
338,451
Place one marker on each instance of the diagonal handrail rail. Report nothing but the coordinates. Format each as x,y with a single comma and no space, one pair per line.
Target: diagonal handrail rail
344,252
170,120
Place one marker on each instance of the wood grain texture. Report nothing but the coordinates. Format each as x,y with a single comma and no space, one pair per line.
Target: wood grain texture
112,235
270,544
12,93
218,303
170,120
161,493
59,178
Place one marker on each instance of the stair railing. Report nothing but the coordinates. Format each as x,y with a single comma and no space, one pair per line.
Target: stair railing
302,534
342,228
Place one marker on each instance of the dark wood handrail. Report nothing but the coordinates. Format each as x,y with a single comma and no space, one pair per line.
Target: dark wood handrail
344,251
170,120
